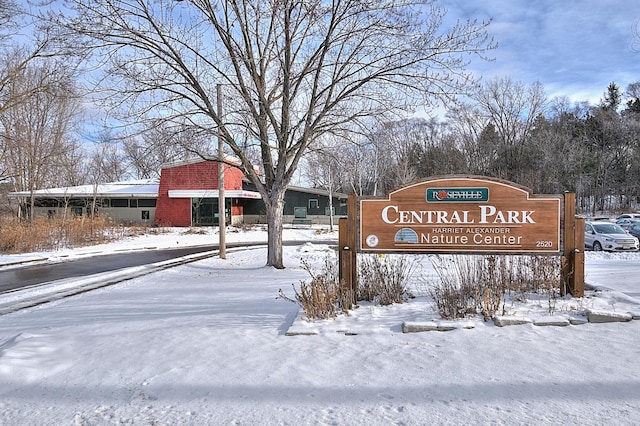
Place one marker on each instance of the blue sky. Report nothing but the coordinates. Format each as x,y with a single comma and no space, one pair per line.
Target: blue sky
575,48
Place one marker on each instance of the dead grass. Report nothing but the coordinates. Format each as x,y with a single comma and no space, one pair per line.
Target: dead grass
470,285
323,296
44,234
383,280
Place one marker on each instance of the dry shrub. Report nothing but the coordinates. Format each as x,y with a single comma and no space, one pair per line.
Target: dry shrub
318,299
479,284
455,293
45,234
195,231
322,297
245,227
383,279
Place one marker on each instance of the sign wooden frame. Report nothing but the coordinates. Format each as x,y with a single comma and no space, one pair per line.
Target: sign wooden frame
464,215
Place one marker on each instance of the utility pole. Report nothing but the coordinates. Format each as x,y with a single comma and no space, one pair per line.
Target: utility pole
221,200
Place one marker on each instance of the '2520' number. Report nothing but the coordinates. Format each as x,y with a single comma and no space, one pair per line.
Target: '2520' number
544,244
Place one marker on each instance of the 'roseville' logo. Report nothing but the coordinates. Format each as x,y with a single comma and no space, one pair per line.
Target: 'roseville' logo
441,195
476,195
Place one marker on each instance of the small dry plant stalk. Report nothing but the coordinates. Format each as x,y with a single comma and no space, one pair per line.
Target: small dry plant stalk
469,285
383,279
322,297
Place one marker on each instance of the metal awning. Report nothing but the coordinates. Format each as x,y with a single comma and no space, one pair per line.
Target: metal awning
212,193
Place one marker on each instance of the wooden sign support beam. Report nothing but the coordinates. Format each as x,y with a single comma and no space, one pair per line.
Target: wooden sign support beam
347,251
573,255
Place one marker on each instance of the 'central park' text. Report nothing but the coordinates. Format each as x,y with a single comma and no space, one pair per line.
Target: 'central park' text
485,214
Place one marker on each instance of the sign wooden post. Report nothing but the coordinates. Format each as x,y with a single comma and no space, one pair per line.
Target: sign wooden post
344,256
573,255
577,278
347,251
578,260
569,242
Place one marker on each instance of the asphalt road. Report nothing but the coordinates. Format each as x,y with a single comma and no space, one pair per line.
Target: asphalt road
25,276
37,274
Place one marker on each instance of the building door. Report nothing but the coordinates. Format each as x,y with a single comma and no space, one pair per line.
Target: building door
204,211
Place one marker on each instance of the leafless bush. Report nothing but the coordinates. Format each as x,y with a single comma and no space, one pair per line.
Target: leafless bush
51,234
383,279
455,293
195,231
42,234
479,284
245,227
323,296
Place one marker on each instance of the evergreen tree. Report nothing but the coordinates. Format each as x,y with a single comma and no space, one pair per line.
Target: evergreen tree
612,98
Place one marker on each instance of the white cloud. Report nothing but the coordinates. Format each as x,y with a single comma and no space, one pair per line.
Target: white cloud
574,49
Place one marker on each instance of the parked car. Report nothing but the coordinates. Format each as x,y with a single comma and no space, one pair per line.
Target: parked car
599,218
608,236
626,223
634,230
629,216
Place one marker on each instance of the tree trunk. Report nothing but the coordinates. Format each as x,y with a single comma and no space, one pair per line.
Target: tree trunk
274,232
32,205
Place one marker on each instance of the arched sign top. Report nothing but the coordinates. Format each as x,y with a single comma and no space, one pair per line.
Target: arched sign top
467,178
461,214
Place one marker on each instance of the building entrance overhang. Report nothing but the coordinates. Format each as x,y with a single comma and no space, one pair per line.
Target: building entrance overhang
212,193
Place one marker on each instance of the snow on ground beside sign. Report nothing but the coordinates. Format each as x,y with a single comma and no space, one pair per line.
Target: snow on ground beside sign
205,343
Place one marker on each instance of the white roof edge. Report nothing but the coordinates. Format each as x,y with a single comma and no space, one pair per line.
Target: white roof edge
138,188
53,194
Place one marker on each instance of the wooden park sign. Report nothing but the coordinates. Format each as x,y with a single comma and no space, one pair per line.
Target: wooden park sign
461,215
465,215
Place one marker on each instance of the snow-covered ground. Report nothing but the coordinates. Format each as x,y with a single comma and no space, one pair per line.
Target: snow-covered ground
204,344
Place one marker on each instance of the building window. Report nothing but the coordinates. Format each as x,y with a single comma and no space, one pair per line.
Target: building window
46,202
146,202
300,212
119,202
133,203
145,215
313,204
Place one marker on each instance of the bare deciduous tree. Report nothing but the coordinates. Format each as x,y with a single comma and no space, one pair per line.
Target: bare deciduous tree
107,162
293,70
510,109
325,169
26,45
159,144
37,130
18,50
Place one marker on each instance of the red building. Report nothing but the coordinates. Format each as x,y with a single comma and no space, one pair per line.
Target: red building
188,194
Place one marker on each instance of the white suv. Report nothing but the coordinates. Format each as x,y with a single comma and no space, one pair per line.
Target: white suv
608,236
